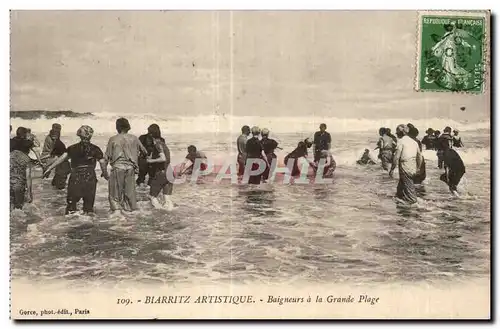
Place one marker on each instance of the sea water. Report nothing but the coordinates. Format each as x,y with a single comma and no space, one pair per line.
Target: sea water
350,230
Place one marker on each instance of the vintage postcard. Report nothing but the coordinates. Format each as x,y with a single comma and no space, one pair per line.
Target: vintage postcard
250,164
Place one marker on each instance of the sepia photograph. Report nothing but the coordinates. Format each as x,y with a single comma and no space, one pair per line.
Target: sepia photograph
232,164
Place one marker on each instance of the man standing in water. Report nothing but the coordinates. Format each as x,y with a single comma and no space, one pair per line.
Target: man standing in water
122,153
269,145
254,151
322,142
408,158
241,144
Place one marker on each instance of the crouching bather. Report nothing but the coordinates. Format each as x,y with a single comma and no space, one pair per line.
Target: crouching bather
269,145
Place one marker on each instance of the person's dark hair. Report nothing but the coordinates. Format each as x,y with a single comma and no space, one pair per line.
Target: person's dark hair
154,131
191,149
447,129
21,132
245,129
122,125
437,132
301,145
323,125
382,131
388,131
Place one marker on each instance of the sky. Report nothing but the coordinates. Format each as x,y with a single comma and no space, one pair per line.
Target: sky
325,63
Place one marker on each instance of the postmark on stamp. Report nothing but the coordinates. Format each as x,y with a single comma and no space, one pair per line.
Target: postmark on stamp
452,51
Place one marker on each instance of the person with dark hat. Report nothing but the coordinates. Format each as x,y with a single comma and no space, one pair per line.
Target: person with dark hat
321,142
457,140
82,183
122,153
429,140
241,144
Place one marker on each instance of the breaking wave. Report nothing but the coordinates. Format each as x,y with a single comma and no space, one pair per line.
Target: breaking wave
104,123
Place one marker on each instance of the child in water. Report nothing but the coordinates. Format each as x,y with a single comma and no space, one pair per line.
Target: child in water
366,159
454,168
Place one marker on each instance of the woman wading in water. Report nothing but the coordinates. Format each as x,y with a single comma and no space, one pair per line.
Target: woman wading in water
83,180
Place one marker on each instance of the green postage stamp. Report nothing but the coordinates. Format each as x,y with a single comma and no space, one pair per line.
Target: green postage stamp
453,48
